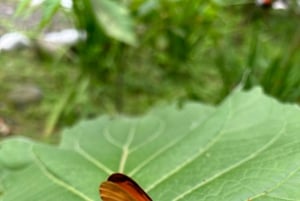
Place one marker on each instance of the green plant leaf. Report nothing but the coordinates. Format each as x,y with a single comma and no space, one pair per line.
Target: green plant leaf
50,8
23,6
248,148
19,152
115,20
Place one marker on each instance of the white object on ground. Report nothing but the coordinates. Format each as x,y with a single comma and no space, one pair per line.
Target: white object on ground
12,41
64,37
67,4
57,41
36,2
280,5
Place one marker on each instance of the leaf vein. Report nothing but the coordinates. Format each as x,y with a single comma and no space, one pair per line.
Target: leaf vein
238,164
92,160
52,177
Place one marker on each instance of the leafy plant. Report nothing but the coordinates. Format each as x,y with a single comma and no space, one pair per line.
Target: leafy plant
273,57
150,50
107,26
262,47
245,149
174,30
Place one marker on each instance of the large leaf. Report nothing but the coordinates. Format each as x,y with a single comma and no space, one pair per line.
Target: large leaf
248,148
115,20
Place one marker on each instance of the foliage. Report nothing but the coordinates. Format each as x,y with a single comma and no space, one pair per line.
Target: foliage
173,36
150,50
245,149
278,75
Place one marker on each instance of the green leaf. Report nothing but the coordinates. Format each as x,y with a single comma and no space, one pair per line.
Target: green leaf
115,20
50,8
22,7
248,148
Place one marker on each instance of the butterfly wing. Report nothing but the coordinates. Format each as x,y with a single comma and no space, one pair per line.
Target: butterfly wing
110,191
120,187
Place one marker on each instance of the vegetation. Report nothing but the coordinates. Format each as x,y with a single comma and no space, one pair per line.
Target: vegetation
141,52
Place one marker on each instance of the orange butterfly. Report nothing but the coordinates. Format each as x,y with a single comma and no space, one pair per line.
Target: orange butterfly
120,187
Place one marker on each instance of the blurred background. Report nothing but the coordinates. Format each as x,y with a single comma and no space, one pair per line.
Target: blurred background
63,61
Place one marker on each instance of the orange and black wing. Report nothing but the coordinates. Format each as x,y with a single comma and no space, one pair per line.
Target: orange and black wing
120,187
